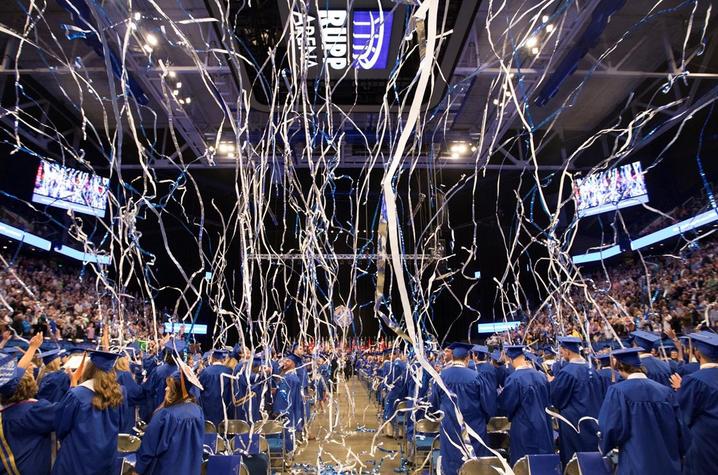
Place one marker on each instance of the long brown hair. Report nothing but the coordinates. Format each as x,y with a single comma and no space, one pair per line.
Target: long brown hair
174,393
26,389
107,389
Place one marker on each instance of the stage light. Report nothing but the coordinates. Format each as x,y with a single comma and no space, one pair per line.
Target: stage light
175,92
474,148
454,155
179,85
496,102
152,40
531,42
545,18
172,74
459,148
535,51
181,101
549,28
188,100
137,16
226,148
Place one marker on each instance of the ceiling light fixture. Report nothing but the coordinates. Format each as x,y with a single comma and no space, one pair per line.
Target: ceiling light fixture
226,148
188,100
531,41
545,18
152,40
172,74
535,51
178,85
549,28
137,16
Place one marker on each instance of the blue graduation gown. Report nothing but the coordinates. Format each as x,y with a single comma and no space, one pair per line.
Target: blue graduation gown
608,377
469,392
688,368
395,380
54,386
524,400
289,403
698,400
88,436
154,389
657,370
641,418
27,427
213,396
489,372
251,409
172,444
135,396
577,392
417,387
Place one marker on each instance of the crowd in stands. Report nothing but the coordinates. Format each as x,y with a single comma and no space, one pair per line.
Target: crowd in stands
668,291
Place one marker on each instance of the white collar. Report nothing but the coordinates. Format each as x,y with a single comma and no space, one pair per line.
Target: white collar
89,384
457,364
637,376
217,363
577,360
526,366
644,355
709,365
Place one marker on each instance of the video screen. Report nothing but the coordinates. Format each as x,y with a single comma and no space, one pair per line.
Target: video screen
68,188
610,190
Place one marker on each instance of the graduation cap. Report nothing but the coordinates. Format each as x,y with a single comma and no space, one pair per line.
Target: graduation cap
175,345
185,376
514,351
706,343
295,359
49,356
496,356
460,350
219,354
534,359
644,339
549,350
10,375
14,351
480,349
629,356
571,343
103,360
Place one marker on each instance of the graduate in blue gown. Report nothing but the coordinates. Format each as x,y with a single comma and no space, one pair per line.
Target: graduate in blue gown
418,382
469,393
607,374
288,400
483,366
641,419
698,400
154,386
26,423
217,392
251,389
53,382
133,391
395,381
656,369
89,418
524,400
173,440
577,392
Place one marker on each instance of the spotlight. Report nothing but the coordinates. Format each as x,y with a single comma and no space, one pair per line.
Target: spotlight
454,155
175,92
137,16
152,40
545,18
172,74
473,148
531,41
535,51
496,102
459,148
226,148
178,85
549,28
188,100
181,101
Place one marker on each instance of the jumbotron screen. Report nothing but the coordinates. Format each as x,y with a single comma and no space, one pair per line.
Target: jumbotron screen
610,190
69,188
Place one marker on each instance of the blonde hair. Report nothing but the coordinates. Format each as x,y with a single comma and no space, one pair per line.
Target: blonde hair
107,389
123,364
51,367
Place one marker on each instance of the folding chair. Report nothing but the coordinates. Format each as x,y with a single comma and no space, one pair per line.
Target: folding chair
209,427
544,464
127,446
273,433
497,424
425,431
480,466
588,463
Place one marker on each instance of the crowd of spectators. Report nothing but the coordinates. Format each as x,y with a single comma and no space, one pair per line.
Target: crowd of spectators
663,293
62,301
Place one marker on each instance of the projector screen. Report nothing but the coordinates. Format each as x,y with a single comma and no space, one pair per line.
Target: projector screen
497,327
610,190
68,188
196,329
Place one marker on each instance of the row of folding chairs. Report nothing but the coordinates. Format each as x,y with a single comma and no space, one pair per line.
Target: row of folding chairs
582,463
